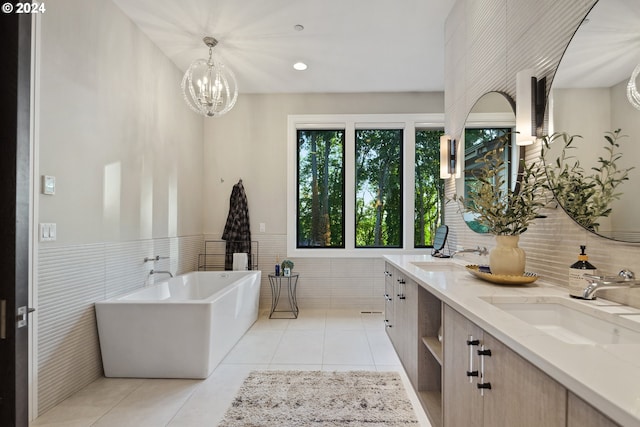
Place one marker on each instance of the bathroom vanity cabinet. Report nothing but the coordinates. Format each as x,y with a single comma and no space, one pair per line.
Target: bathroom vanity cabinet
457,385
413,318
581,414
401,319
487,384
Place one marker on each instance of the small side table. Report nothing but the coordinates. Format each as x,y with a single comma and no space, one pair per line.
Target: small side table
291,283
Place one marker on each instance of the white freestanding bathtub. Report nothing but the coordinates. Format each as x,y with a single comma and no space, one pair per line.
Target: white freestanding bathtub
181,327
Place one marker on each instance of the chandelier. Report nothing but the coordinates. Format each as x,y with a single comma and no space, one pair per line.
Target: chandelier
632,91
208,86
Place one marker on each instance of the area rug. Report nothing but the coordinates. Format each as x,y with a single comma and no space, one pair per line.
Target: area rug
316,398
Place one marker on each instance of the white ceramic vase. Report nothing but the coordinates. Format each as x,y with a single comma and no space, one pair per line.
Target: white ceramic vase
507,258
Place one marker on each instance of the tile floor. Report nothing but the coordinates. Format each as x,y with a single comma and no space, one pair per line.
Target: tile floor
317,339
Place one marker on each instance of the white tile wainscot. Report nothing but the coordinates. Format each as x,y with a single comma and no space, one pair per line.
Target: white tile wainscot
605,376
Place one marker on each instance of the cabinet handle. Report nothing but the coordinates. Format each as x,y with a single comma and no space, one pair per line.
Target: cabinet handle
386,323
484,352
386,273
482,386
401,294
471,372
387,297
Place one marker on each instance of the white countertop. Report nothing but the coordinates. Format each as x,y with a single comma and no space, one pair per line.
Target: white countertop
605,375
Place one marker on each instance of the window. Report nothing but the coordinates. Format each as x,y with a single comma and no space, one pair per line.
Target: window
352,186
378,219
429,188
320,213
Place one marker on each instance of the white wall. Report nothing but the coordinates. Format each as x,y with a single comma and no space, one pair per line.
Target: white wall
624,116
572,107
590,113
114,130
112,127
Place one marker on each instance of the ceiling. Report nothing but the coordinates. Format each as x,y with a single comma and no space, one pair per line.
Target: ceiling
605,49
348,45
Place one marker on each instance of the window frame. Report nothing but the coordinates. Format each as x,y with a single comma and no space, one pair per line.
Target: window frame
344,142
349,122
386,126
442,213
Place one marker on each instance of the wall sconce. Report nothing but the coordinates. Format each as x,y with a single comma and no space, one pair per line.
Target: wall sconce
448,157
530,104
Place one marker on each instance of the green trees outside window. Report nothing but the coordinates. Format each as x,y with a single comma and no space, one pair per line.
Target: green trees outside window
375,193
320,189
478,142
379,188
429,188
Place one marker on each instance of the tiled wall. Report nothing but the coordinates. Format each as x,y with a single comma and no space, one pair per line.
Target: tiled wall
333,283
70,280
324,283
487,43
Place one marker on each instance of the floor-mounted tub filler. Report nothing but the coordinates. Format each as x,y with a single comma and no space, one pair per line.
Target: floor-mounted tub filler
181,327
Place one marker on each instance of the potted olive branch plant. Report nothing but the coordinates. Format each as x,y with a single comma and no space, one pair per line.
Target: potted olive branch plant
585,196
505,212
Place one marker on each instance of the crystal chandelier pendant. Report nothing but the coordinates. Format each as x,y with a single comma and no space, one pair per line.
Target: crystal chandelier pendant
632,91
209,88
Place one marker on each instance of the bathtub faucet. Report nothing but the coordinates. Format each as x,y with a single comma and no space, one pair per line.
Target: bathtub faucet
158,272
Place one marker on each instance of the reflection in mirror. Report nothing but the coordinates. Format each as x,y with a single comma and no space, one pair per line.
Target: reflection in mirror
490,123
589,98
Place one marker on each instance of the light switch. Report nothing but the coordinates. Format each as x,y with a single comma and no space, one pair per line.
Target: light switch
48,184
263,227
47,232
44,232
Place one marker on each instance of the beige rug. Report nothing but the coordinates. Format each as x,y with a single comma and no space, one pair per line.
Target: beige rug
315,398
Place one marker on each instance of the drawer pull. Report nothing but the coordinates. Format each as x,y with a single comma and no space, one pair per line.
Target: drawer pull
471,372
482,386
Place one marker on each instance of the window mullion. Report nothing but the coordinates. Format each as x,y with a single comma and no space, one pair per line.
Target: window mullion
350,185
408,185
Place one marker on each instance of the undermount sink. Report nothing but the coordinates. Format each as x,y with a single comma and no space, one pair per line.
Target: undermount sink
435,265
570,322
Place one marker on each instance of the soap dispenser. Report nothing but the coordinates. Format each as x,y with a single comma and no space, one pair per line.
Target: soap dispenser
578,269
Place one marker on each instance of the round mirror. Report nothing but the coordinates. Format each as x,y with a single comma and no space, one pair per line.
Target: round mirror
593,95
491,123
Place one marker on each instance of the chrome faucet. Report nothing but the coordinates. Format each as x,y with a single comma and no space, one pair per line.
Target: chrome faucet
158,272
624,279
478,250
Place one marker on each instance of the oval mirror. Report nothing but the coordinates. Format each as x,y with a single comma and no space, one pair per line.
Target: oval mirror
589,97
491,119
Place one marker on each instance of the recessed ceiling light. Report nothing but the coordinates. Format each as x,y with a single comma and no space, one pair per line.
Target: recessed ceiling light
300,66
298,27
